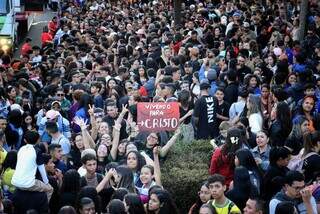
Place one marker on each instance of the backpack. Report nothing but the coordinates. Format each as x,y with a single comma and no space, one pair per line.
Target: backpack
296,162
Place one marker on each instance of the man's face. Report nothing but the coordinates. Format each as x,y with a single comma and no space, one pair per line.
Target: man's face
176,75
91,166
241,62
3,124
294,189
76,78
250,207
309,92
57,153
88,209
112,111
50,167
217,190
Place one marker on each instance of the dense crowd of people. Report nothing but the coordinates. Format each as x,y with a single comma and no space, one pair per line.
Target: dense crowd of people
69,135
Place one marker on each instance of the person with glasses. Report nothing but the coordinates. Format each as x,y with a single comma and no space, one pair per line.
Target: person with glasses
65,104
294,191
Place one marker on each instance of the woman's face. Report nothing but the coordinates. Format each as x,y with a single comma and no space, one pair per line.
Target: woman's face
106,140
152,140
308,104
111,84
122,148
292,79
132,161
28,120
265,92
146,175
154,203
13,93
141,72
305,127
102,151
79,142
104,128
117,177
204,194
270,61
261,139
253,82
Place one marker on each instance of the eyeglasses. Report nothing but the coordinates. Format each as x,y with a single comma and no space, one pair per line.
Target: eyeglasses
298,188
60,95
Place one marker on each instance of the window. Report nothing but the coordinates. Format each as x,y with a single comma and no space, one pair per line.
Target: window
4,7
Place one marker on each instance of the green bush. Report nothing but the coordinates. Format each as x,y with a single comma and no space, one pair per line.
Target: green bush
185,168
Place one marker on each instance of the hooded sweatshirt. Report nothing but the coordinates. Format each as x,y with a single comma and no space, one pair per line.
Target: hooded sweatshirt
281,196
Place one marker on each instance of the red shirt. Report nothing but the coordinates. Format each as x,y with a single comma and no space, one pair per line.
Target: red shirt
26,47
224,169
52,27
46,37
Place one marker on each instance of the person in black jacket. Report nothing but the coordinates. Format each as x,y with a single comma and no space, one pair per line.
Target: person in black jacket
273,178
242,189
280,127
231,91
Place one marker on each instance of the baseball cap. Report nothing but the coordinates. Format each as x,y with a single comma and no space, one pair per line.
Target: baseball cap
236,14
52,114
204,85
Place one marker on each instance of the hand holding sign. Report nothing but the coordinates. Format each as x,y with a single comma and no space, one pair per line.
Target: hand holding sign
158,116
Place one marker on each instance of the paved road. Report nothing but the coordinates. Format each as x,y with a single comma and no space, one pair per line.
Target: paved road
40,20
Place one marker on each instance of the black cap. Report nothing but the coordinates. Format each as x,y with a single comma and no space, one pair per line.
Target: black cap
204,85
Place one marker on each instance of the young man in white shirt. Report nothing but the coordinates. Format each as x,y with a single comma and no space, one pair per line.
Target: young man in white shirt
28,161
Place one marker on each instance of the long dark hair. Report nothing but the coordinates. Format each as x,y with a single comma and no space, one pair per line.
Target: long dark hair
10,161
126,180
167,204
243,189
140,160
199,203
284,117
234,141
135,204
91,193
70,182
246,159
85,101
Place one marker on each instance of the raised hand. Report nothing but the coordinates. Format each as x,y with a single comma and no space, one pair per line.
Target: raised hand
91,110
80,122
156,150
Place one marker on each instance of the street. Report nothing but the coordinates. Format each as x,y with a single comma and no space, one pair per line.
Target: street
40,20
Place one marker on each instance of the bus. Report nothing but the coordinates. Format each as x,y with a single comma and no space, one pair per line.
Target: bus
7,26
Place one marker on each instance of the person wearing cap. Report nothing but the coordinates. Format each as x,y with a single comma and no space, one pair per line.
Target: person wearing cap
63,125
57,137
205,117
235,21
206,72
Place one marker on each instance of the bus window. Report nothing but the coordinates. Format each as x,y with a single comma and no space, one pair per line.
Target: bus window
4,7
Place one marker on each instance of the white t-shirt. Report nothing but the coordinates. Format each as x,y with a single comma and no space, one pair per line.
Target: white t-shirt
255,122
25,173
